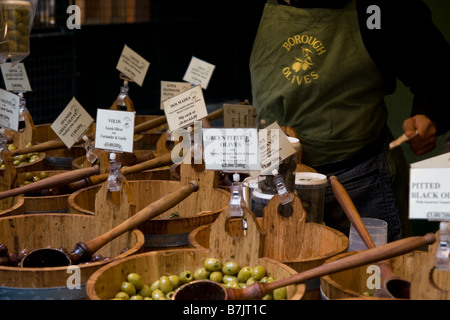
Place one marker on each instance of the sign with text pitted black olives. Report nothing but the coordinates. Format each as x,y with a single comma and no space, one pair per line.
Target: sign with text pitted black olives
114,130
429,189
72,123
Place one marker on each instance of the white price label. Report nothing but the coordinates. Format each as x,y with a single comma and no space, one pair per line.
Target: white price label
114,130
133,65
9,110
199,72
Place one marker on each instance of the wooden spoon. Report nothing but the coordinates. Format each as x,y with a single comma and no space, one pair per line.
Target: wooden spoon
206,289
83,251
392,285
53,181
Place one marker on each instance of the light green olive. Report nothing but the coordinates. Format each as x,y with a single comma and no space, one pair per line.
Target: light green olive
165,285
186,276
230,268
258,272
212,264
201,274
244,274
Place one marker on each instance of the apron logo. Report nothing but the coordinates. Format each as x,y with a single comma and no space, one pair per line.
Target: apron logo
297,71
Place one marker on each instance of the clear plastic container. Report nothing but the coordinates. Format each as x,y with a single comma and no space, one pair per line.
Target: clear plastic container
377,229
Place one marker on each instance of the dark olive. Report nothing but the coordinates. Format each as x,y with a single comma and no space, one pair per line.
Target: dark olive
22,253
4,261
63,250
3,250
13,260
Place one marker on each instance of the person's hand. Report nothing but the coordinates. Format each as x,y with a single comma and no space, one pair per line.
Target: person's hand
425,140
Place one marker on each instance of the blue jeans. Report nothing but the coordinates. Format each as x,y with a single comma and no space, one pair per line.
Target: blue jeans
369,186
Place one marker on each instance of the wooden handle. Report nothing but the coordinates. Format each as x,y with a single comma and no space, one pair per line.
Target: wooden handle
53,181
150,124
386,251
151,211
350,210
157,162
41,147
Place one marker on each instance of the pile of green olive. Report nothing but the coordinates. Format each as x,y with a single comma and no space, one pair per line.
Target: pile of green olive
31,177
21,159
229,274
17,19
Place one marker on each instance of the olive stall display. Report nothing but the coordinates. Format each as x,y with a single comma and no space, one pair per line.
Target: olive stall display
229,274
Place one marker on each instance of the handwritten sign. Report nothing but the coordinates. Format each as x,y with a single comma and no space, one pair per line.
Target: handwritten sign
183,109
231,149
16,78
114,130
239,116
9,110
72,123
199,72
133,65
170,89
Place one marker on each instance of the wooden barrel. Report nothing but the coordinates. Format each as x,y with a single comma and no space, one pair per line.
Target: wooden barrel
171,229
12,206
38,164
320,243
46,202
105,282
352,283
55,230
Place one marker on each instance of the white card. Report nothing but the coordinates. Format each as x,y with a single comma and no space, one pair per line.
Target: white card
16,78
9,110
133,65
429,189
183,109
114,130
234,149
274,147
170,89
72,123
239,116
199,72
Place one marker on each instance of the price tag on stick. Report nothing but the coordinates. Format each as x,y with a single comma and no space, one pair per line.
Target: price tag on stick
16,78
72,123
114,130
133,65
9,110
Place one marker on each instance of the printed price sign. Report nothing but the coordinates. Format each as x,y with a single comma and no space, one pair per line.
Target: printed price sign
199,72
133,65
9,110
114,130
72,123
171,89
183,109
429,189
231,149
16,78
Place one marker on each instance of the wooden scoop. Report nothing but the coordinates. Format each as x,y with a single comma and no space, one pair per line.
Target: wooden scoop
40,147
53,181
83,251
392,285
205,289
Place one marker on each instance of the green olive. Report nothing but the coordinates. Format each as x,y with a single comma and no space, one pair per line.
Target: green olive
201,274
169,295
165,285
122,296
43,174
216,276
136,297
145,291
230,268
128,288
212,264
244,274
280,293
186,276
157,294
154,285
250,281
29,176
175,280
227,278
268,296
136,280
232,284
258,272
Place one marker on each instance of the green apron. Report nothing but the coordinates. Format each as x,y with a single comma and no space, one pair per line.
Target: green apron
310,70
